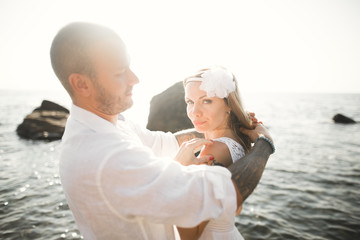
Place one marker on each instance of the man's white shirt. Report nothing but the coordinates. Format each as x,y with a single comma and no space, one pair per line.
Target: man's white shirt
121,181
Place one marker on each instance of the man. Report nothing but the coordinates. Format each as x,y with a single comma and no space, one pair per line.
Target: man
121,181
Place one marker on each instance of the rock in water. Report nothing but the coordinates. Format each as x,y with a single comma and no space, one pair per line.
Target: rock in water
339,118
168,110
46,122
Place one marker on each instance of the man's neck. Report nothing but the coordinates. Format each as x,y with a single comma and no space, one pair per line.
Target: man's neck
90,108
111,118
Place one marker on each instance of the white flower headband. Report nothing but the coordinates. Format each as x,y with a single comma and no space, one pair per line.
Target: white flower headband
216,82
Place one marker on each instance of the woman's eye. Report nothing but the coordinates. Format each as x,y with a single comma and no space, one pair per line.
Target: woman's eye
207,101
189,102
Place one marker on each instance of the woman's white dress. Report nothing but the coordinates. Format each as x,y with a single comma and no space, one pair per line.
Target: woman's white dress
225,229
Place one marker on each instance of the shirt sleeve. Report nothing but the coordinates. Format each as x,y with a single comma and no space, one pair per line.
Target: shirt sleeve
133,182
162,144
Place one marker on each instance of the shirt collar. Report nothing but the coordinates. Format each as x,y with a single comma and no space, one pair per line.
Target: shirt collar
91,120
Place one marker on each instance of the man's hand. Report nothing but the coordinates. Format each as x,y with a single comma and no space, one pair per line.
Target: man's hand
186,153
186,135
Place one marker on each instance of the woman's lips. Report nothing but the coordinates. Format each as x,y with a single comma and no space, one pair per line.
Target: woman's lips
198,123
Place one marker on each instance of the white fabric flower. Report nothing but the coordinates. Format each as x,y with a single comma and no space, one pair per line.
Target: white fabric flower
217,82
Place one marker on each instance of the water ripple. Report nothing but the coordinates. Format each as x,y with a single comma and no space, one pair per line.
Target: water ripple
310,189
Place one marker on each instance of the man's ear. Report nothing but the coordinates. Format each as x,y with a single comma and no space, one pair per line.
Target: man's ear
80,84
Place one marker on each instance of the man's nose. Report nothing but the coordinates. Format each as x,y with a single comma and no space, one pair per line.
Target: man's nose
132,78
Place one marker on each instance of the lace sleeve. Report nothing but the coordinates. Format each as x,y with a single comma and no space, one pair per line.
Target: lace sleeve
236,150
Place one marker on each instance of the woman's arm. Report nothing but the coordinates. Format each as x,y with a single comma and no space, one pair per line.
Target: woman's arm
192,233
219,151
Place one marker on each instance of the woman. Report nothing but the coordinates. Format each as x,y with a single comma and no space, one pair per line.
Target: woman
215,109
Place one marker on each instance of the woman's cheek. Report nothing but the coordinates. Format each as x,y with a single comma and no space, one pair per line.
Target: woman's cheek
188,112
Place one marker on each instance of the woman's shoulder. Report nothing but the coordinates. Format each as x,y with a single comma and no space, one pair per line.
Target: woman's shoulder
219,151
226,140
229,142
236,150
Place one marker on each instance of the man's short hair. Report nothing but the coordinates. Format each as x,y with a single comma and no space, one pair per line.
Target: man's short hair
69,51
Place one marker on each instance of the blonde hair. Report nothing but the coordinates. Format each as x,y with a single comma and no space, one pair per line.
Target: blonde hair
239,118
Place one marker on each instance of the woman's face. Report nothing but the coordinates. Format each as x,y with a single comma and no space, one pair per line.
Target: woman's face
206,113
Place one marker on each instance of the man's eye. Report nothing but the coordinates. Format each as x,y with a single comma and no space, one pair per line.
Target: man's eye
120,74
189,102
207,101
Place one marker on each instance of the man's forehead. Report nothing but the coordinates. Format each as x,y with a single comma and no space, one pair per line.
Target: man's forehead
112,49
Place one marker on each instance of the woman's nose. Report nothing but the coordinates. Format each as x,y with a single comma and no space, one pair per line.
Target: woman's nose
196,110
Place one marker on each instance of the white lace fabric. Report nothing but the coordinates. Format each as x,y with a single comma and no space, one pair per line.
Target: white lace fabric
236,150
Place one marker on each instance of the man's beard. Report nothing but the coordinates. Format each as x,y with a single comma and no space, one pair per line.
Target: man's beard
110,104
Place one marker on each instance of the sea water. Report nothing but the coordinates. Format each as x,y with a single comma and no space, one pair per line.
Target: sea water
310,188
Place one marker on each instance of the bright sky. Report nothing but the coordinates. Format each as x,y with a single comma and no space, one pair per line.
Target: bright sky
278,45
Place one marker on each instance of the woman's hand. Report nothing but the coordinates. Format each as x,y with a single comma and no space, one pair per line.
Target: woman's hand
253,119
258,131
186,154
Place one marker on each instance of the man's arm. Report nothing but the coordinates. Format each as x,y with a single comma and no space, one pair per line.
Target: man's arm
247,171
186,135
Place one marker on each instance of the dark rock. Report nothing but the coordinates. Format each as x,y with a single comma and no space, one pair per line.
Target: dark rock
168,110
46,122
51,106
339,118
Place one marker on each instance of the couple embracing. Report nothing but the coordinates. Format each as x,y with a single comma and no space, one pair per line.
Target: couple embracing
123,181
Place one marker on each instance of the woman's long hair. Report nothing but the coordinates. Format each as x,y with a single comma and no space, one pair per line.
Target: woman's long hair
239,118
